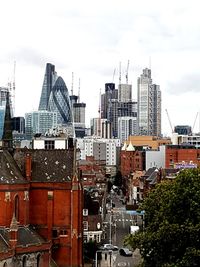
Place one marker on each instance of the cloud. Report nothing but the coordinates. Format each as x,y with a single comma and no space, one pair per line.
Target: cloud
187,83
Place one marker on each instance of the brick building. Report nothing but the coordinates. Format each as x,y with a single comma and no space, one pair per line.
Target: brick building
186,154
41,202
131,160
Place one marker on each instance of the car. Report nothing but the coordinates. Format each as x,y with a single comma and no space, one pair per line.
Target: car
109,247
125,252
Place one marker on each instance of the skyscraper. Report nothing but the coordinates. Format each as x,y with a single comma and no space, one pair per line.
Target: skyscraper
125,92
55,96
59,102
149,105
49,79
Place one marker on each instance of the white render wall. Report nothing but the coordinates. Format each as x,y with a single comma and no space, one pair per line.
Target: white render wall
86,146
155,158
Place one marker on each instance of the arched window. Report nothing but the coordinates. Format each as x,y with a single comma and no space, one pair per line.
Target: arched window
38,260
5,264
16,208
24,262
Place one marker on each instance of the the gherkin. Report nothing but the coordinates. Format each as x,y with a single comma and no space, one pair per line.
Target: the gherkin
55,96
59,101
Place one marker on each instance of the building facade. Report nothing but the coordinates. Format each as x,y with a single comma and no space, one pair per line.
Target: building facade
43,199
55,96
126,126
39,122
149,105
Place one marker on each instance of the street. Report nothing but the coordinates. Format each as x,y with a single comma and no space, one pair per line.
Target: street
118,226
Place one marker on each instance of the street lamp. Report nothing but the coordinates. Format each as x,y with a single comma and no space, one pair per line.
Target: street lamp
96,256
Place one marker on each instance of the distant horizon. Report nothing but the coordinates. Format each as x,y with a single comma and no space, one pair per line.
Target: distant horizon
90,39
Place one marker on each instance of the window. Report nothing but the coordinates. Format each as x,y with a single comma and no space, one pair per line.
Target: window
16,207
85,225
49,144
63,232
55,233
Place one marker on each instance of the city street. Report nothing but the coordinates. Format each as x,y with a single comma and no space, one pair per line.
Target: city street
118,226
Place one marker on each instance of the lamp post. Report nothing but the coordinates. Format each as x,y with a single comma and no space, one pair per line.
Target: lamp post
96,257
110,238
110,252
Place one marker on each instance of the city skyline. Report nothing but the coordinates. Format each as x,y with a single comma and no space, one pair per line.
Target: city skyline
90,39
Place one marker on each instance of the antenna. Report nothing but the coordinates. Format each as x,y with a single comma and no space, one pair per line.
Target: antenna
127,72
113,75
79,89
11,89
120,73
150,62
72,87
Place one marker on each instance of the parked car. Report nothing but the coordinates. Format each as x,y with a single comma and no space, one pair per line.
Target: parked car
109,247
125,252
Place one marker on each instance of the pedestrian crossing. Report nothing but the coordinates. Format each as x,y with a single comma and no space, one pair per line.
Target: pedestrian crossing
123,220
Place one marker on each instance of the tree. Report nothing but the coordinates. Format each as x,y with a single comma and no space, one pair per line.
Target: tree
171,237
118,179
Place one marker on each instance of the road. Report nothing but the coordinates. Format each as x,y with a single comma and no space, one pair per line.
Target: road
120,227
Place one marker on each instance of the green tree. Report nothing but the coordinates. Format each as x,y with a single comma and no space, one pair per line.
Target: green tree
118,179
171,237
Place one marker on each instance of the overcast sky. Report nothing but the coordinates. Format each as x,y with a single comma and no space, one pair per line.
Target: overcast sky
90,38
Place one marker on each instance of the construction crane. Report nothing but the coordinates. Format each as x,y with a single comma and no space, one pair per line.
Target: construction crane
169,121
120,78
113,75
127,72
195,122
79,89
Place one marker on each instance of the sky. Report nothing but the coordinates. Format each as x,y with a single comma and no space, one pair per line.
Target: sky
90,38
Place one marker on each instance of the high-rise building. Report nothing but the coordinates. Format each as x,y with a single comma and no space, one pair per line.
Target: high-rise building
49,80
78,111
18,124
126,126
110,94
149,105
55,96
59,102
125,92
39,122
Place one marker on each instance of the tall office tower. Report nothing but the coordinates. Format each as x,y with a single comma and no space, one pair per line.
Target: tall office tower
126,126
49,80
55,96
18,124
149,105
118,109
39,122
125,92
110,94
59,102
78,111
95,126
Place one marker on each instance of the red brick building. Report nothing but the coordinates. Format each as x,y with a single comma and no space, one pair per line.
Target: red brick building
41,203
131,160
181,153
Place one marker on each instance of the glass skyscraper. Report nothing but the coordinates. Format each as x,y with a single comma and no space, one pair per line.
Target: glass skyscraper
149,105
59,102
55,96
